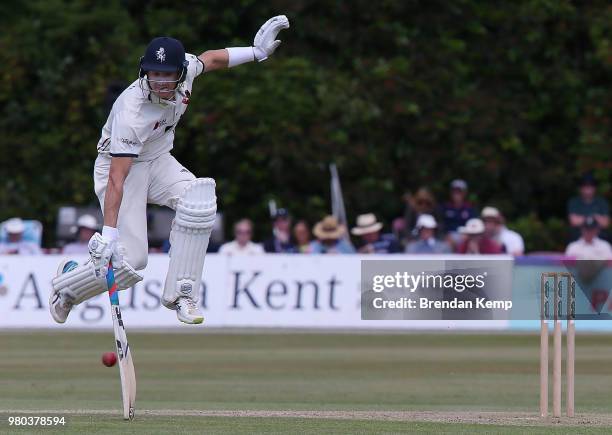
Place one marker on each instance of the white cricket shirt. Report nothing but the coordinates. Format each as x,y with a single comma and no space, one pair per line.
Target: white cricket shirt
598,249
234,248
141,127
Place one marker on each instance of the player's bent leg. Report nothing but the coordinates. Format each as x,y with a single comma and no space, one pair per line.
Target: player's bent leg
58,306
193,223
126,276
73,285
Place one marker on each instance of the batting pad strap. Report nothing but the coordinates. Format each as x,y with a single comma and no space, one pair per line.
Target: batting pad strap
80,284
193,223
239,55
126,276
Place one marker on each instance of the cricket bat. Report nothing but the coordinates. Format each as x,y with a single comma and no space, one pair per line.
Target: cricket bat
124,353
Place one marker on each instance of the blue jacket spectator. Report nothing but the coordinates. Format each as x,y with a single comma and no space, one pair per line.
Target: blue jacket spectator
329,234
280,242
427,242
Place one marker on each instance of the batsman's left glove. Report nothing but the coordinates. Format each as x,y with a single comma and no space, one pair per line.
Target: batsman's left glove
265,41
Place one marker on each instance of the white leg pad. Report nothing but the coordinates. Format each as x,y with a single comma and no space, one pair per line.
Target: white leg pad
195,216
126,276
80,284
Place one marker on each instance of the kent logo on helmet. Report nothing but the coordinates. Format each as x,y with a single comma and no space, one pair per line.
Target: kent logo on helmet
163,67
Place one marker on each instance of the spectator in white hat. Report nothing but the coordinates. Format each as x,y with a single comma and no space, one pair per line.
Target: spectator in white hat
15,243
476,242
373,242
495,228
242,244
427,243
87,225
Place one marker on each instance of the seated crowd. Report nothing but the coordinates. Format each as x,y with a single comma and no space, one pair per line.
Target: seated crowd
455,226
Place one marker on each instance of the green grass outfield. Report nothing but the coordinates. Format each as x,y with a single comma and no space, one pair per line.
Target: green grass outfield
235,382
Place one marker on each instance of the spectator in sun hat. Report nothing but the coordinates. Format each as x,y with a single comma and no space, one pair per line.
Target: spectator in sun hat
589,246
330,238
280,242
372,240
475,241
87,225
15,243
427,242
495,228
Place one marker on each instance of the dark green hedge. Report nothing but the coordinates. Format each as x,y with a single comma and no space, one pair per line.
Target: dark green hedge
515,97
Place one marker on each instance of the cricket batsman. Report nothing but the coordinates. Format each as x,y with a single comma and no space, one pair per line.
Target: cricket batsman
134,167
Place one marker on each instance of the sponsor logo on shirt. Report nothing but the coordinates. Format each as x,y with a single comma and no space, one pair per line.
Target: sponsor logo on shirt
186,97
128,141
159,124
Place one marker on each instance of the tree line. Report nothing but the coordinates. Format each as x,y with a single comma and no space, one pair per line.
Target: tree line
514,97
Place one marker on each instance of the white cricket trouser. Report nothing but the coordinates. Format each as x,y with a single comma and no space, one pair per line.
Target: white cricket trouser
160,181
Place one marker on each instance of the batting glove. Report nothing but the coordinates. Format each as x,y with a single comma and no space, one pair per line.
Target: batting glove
265,41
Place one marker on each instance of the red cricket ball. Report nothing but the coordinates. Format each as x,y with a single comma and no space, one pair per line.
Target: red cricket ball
109,359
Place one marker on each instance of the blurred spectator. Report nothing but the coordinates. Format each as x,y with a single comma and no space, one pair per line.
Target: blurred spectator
329,234
301,234
495,228
476,242
15,243
373,241
457,211
87,225
398,226
589,246
242,244
280,242
215,241
427,242
422,202
588,203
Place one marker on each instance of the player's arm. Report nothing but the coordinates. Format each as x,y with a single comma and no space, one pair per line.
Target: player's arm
214,59
264,44
602,220
576,219
119,169
104,248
